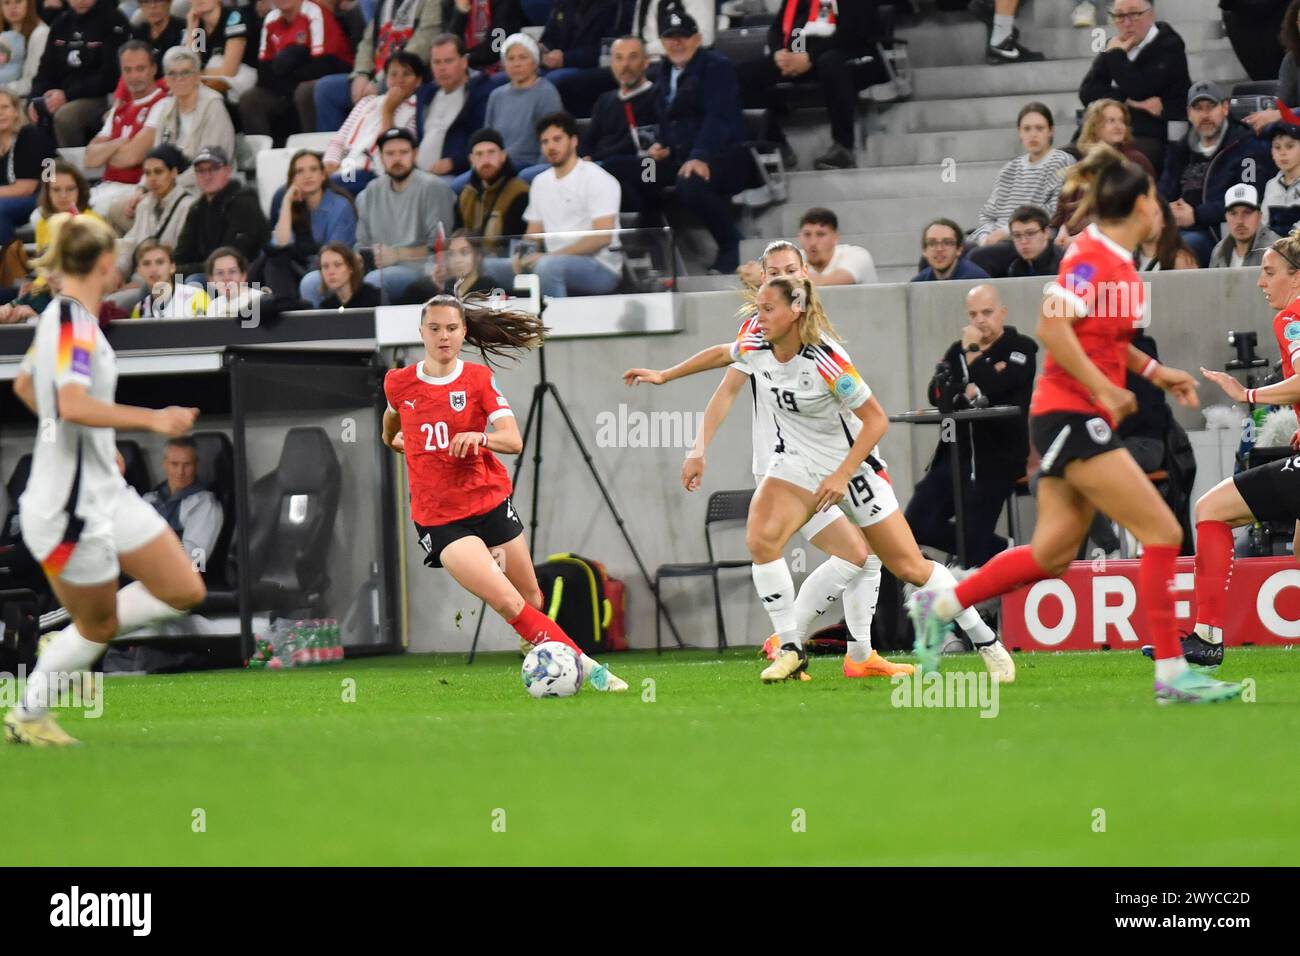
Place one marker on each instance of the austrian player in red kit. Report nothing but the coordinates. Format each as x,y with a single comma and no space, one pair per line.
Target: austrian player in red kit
1266,493
1088,320
448,418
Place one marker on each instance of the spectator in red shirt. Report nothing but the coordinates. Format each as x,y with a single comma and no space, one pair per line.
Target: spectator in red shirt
301,41
124,140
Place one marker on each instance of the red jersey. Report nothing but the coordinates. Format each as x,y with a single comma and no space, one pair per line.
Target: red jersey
124,120
314,27
1286,329
434,411
1098,280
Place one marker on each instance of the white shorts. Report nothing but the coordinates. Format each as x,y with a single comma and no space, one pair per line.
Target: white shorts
870,496
819,522
127,523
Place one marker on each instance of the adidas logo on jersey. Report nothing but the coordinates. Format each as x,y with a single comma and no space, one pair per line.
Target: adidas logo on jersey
769,598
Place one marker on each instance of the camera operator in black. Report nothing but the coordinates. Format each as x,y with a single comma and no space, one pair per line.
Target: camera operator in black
992,364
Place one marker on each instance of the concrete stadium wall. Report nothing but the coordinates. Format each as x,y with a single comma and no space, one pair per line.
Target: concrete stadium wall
895,334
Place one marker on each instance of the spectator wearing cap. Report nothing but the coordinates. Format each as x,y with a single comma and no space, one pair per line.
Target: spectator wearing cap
1247,237
25,149
352,156
817,42
1281,203
648,17
194,116
514,109
575,203
159,211
571,47
400,217
491,206
395,25
624,121
699,142
479,23
1031,236
1217,153
831,262
450,108
226,214
79,69
941,245
1144,66
301,41
121,145
158,29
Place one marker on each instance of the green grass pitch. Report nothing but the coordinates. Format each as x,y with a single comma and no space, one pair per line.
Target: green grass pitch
435,763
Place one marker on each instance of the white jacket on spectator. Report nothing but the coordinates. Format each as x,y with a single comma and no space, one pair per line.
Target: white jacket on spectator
207,125
353,146
153,220
31,60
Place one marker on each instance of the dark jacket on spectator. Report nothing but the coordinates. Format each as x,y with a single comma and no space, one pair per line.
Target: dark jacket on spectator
1159,70
231,218
1005,373
507,16
172,35
455,146
495,210
1048,263
81,53
576,27
704,118
855,28
965,270
609,135
1226,166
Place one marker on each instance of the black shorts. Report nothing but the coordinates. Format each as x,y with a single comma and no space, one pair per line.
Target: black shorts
1063,437
1272,491
494,527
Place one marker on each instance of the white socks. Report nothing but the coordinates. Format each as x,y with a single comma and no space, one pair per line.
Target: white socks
776,590
1168,670
1212,635
821,589
969,620
860,599
68,653
1002,27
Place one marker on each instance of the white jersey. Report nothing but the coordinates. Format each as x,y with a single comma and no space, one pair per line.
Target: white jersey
74,467
809,401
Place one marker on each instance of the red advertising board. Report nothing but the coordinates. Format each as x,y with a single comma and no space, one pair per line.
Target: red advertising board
1095,605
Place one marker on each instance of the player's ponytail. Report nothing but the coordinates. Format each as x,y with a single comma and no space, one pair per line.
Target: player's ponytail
749,294
76,244
1288,247
491,330
1109,184
802,294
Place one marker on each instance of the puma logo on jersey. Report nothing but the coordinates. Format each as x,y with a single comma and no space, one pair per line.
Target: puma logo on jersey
408,401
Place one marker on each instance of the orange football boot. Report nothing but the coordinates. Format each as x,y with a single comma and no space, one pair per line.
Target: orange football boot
875,666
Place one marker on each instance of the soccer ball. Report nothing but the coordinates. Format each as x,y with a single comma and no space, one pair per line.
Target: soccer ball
551,669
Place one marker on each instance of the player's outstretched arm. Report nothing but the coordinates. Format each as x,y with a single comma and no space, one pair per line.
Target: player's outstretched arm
1182,385
78,406
1286,392
716,356
719,407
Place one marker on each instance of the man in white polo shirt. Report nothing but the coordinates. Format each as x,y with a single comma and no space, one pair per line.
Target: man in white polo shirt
829,261
567,202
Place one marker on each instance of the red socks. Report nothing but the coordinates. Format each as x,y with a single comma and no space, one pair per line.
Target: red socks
1003,573
536,628
1213,568
1155,575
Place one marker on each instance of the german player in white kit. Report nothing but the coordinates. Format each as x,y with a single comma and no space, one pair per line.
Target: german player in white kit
79,517
822,459
830,530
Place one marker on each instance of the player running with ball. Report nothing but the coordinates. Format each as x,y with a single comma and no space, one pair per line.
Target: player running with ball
439,413
830,531
1087,322
1266,493
826,423
78,515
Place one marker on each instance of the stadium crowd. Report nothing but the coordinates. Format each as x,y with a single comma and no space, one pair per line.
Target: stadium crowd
447,121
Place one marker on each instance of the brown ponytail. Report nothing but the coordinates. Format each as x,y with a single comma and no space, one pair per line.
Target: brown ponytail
1108,183
493,331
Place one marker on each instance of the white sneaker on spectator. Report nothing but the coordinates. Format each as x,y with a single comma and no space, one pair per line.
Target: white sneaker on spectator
1085,14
